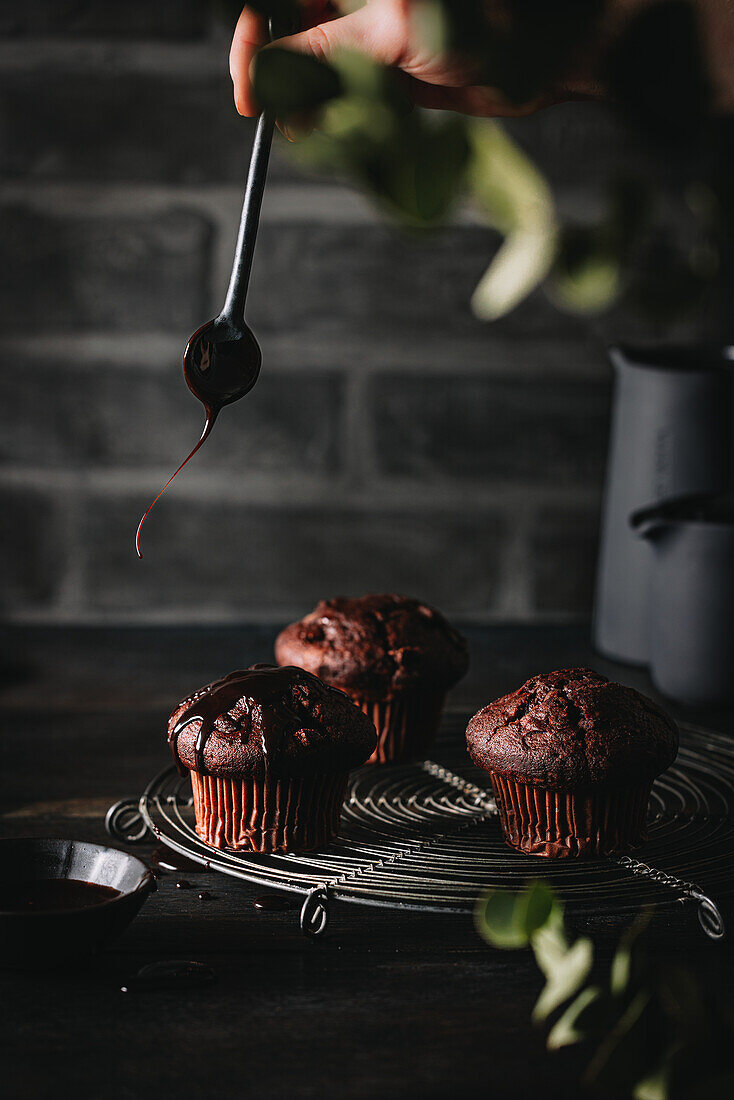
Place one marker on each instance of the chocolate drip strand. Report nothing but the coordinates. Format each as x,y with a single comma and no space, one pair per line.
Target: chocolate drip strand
211,416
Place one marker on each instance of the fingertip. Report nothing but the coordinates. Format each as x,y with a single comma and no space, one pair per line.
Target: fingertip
243,98
242,105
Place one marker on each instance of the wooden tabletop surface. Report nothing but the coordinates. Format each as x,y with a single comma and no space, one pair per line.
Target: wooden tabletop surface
387,1004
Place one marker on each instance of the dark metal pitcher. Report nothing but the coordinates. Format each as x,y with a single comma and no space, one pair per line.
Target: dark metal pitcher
691,600
670,436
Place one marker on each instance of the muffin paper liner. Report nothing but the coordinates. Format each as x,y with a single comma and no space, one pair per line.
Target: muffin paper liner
406,724
566,824
268,815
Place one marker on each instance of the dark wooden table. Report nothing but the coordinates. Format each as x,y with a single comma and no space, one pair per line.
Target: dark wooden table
387,1004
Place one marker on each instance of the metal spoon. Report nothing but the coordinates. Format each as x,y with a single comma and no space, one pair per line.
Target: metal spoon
222,359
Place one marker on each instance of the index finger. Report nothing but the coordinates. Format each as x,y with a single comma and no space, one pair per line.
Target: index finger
249,35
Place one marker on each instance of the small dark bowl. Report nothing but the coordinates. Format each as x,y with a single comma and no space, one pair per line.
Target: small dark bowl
54,936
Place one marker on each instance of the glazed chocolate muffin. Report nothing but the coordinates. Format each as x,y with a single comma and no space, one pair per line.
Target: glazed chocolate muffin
394,656
269,750
572,757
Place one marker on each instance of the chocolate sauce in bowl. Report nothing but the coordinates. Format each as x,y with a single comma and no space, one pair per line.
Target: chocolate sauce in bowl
52,895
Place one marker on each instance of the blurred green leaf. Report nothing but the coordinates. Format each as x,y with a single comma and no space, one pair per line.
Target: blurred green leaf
427,176
516,200
497,918
540,901
568,1028
566,969
589,269
360,76
586,276
510,919
357,119
653,1087
412,162
623,970
518,267
287,82
432,25
505,184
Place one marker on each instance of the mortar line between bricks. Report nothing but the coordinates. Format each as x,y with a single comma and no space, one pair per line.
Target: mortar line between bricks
296,492
305,200
493,356
302,203
308,202
204,616
197,59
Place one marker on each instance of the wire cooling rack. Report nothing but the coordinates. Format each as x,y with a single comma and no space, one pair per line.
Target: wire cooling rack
424,837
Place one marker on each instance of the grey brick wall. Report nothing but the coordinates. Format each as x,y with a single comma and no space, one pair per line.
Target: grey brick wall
393,441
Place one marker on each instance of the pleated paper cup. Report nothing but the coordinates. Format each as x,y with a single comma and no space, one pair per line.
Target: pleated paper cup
406,724
563,824
245,814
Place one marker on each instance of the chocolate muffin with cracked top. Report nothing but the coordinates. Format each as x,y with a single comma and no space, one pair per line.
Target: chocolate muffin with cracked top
395,657
269,750
572,757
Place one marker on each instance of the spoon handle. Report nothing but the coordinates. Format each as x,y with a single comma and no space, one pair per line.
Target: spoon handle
234,305
279,26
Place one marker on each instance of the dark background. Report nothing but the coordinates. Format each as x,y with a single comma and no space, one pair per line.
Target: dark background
393,441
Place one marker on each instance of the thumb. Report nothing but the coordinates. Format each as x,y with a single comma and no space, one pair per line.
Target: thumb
378,29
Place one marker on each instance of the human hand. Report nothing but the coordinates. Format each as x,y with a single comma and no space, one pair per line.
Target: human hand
385,31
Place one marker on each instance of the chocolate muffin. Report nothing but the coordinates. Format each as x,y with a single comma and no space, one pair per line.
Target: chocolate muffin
572,757
394,656
269,750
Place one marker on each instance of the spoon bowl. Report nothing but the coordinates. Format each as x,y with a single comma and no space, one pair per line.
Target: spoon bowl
221,363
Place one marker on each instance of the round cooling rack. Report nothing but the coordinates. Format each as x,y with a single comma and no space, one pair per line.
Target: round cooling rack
424,837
